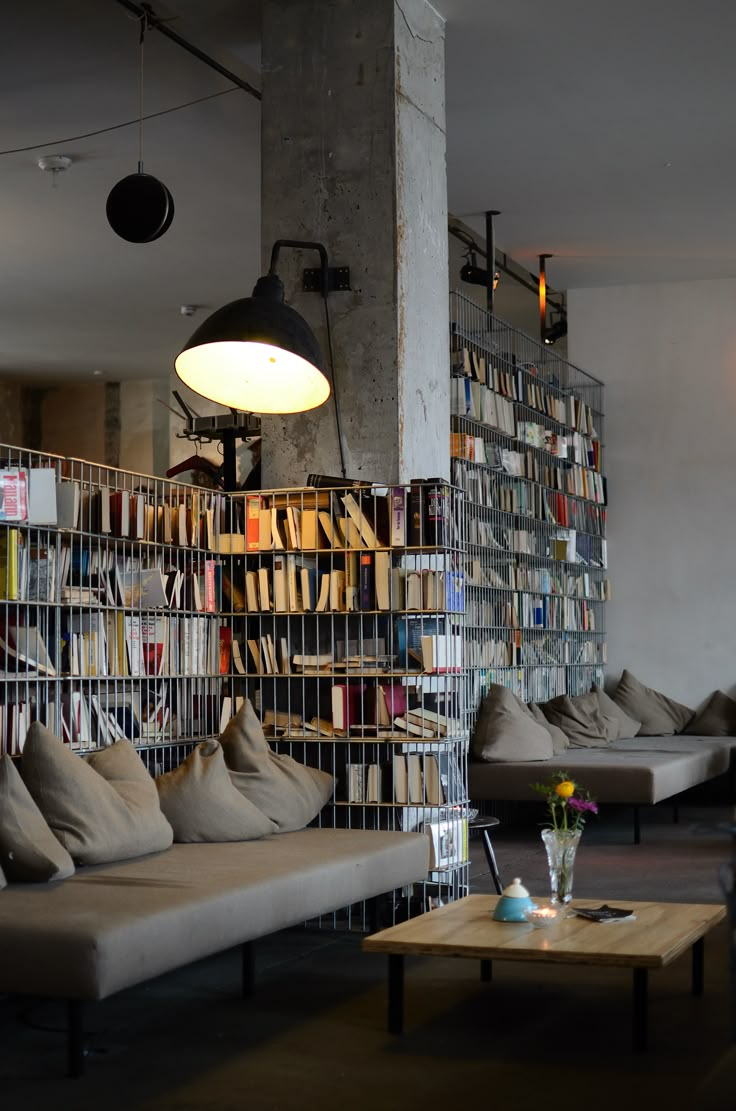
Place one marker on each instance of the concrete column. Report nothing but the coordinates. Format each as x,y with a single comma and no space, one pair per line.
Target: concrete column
353,156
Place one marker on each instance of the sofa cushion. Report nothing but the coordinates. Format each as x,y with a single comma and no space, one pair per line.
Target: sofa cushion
3,881
507,730
618,723
289,793
201,803
29,852
559,740
102,809
717,718
659,715
579,718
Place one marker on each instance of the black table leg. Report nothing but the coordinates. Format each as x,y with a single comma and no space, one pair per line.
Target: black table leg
75,1037
698,966
486,971
395,994
491,858
641,978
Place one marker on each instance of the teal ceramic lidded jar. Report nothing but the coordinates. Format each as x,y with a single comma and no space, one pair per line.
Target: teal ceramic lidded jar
512,904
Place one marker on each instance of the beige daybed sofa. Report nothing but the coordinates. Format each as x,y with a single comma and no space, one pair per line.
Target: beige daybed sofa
620,758
95,897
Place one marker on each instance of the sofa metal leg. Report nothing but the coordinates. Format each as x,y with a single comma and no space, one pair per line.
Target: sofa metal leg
75,1037
637,826
248,968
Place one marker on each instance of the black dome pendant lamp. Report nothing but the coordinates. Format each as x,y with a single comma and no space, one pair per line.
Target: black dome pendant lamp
258,354
140,208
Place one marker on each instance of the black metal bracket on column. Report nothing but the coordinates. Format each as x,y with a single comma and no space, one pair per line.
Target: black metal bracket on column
338,279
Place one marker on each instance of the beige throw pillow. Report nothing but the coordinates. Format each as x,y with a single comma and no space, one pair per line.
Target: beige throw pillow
102,809
716,719
201,803
579,718
506,731
659,715
560,742
289,793
29,852
619,724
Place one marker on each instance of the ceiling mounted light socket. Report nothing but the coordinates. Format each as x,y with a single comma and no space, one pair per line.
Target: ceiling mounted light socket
54,163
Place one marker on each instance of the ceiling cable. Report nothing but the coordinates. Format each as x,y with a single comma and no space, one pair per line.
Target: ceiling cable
117,126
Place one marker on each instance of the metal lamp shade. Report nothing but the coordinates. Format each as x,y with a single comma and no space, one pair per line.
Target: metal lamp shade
258,355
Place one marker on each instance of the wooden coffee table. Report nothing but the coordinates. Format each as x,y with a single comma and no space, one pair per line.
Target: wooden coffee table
661,933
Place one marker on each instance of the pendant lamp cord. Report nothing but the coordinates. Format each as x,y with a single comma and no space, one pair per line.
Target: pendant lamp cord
343,470
144,25
302,244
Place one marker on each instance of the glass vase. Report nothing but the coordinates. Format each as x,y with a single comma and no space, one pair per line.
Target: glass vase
561,846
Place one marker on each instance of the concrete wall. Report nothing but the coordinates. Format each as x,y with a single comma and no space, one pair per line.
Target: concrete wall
667,354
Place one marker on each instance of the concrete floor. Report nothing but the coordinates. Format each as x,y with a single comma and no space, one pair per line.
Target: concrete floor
314,1034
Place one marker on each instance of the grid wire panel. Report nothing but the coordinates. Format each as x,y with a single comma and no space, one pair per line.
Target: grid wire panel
347,612
109,585
527,451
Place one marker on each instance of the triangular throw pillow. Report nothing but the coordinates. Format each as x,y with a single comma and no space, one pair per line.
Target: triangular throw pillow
659,715
29,852
103,808
289,793
201,803
506,731
716,719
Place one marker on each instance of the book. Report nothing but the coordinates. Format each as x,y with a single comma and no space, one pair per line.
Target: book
604,913
358,515
42,496
26,646
13,494
347,705
398,517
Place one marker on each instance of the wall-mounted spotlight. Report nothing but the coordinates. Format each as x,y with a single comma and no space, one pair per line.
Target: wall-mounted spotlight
474,274
557,330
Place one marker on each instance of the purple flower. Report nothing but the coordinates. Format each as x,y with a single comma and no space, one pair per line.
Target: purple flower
582,805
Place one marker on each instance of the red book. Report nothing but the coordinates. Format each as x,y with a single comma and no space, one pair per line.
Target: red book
226,641
347,705
252,521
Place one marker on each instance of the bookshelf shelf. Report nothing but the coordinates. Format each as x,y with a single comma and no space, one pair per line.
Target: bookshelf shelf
527,451
109,584
394,603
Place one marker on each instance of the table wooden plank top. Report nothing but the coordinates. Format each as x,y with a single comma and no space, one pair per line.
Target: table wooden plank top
660,933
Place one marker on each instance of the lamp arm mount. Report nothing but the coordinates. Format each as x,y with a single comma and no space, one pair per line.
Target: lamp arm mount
307,246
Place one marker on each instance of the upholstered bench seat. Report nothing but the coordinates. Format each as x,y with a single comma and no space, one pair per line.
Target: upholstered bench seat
112,926
638,771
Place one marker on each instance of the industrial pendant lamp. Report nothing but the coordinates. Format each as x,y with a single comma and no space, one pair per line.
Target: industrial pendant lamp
257,354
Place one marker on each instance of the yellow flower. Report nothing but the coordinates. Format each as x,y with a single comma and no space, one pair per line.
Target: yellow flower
565,789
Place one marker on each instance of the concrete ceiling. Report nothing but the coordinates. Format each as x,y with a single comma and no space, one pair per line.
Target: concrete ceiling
602,133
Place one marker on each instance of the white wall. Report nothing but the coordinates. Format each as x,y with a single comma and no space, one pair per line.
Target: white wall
667,354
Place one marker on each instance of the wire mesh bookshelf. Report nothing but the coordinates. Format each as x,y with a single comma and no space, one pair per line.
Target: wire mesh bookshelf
108,606
347,614
527,451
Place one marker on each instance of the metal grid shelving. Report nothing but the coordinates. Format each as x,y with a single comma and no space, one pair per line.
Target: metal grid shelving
348,640
527,450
